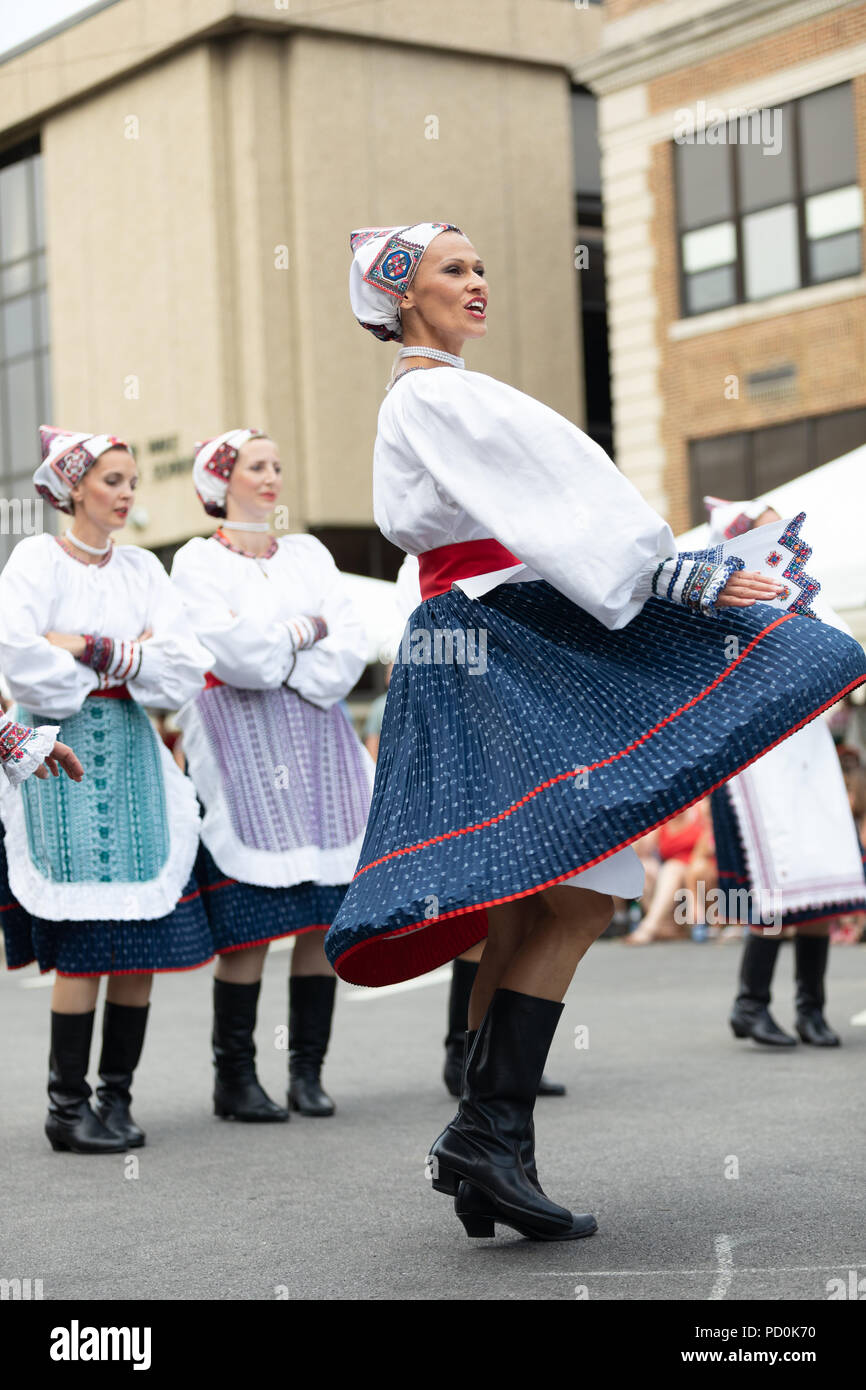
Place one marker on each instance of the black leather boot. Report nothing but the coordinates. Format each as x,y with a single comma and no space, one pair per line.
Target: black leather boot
123,1028
311,1007
237,1093
810,953
751,1017
481,1146
71,1124
463,974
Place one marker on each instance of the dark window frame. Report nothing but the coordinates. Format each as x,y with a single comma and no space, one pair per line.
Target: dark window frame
793,109
752,487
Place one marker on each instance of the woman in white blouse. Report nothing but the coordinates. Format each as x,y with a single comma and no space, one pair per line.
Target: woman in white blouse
561,689
89,634
283,778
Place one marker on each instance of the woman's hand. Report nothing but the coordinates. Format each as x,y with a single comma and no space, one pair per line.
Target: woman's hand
69,641
745,588
61,755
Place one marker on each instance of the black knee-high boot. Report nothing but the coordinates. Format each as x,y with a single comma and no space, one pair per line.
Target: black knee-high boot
810,953
463,974
237,1092
71,1124
123,1029
751,1017
481,1146
311,1008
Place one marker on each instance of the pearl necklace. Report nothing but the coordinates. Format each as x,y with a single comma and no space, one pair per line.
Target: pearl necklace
245,526
436,353
91,549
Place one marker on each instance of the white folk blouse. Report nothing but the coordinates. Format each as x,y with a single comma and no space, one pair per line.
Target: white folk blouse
460,456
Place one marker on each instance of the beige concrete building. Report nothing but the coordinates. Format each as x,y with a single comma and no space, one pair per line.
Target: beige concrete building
733,140
177,186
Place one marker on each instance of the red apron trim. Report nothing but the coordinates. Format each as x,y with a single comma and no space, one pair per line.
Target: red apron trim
211,681
113,692
438,569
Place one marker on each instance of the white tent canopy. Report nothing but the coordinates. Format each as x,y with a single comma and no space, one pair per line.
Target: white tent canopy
834,500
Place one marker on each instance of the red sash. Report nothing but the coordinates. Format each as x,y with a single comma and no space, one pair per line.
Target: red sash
211,681
438,569
113,692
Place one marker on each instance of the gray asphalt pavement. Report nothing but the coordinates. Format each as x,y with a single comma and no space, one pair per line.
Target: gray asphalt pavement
717,1170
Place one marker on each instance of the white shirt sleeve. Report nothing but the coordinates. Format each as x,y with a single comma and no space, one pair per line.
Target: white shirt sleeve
325,673
538,485
41,677
173,661
248,652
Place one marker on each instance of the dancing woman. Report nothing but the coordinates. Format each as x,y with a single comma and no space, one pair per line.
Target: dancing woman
284,779
608,700
90,633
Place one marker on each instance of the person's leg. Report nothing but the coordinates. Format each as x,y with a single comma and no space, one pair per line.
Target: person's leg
536,946
670,878
751,1017
312,990
124,1021
236,987
811,953
71,1124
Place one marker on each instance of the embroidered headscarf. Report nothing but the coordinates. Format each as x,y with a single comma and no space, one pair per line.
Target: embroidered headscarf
729,519
213,464
383,268
66,457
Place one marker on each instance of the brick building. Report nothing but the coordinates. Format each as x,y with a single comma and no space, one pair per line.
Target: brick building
733,143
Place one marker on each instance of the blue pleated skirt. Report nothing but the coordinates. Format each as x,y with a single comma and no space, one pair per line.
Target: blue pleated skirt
734,875
246,914
553,743
179,941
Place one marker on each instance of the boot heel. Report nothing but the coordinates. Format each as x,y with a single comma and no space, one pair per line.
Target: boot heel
443,1178
58,1145
221,1110
739,1031
478,1227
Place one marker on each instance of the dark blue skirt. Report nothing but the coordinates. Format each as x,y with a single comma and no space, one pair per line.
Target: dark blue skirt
734,874
500,776
246,914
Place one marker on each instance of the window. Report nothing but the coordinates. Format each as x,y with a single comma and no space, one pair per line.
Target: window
746,464
25,389
769,202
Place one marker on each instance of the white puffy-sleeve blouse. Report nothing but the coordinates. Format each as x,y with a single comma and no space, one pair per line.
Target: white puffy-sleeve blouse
460,456
241,606
44,588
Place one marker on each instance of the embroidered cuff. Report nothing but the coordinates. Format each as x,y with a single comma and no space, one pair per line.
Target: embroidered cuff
22,749
305,632
694,584
114,661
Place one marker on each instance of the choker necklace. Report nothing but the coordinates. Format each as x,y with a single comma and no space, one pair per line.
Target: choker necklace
91,549
436,353
245,526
